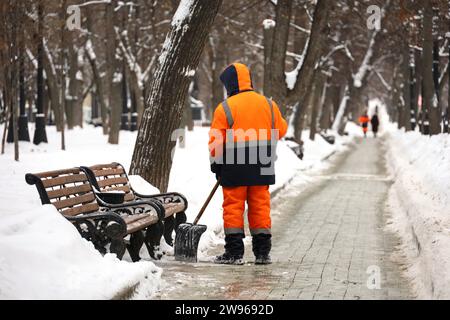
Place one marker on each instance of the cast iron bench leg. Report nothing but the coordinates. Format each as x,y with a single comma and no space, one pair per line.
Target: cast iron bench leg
136,243
153,236
118,247
169,224
180,218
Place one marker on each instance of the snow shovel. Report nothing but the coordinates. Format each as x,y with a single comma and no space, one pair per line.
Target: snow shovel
188,234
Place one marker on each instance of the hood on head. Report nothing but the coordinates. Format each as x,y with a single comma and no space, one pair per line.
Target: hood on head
236,78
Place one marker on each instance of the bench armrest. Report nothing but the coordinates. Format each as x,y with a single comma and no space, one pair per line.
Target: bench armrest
169,197
114,225
136,207
111,197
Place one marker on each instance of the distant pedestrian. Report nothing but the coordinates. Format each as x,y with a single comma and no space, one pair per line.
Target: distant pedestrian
375,123
364,121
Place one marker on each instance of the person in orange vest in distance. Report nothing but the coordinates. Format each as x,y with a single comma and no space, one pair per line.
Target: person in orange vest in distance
364,121
243,134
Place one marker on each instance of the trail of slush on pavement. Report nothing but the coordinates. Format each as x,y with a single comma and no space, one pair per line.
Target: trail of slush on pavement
329,242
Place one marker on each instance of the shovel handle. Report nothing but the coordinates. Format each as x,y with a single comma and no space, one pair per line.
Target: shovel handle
205,205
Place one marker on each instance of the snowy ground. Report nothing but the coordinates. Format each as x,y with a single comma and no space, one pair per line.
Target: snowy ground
420,203
40,249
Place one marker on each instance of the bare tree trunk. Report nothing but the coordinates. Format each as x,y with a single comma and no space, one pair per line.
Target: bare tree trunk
137,95
447,112
124,119
40,135
186,119
62,95
268,40
300,114
99,85
436,114
136,91
14,97
114,75
180,56
218,63
335,96
314,50
430,100
300,37
53,90
325,116
396,94
13,56
277,56
24,134
5,127
412,90
100,93
406,88
316,104
300,79
73,103
340,117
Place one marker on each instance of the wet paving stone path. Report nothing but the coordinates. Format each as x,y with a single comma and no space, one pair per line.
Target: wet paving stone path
329,242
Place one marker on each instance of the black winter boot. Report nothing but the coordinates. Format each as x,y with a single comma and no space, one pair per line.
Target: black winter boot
262,244
263,260
234,250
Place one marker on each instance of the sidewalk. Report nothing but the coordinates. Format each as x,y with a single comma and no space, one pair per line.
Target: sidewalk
326,238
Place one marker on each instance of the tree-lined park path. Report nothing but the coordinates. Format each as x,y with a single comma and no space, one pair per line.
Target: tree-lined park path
330,241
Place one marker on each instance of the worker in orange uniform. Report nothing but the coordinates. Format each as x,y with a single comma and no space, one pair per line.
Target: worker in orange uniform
243,137
364,121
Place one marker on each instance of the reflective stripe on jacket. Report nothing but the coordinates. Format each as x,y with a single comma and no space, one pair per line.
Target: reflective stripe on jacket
248,125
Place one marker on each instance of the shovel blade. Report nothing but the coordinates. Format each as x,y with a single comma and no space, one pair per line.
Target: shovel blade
186,241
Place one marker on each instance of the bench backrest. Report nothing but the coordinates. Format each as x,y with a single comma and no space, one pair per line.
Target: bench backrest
110,177
68,190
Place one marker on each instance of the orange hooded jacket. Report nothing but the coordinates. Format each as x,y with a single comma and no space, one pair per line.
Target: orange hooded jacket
256,124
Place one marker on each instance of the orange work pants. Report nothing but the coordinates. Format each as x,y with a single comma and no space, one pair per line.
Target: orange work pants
258,200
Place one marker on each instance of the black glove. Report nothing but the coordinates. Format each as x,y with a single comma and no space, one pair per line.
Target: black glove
216,168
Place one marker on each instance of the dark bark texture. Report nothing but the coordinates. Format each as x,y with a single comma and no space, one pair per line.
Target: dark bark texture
40,135
430,109
164,107
114,71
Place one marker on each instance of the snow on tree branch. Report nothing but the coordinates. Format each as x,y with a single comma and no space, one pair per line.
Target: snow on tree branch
93,2
292,76
184,12
341,110
297,27
383,81
131,60
268,24
90,50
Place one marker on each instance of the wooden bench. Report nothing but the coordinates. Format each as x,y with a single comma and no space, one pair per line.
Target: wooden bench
71,193
112,177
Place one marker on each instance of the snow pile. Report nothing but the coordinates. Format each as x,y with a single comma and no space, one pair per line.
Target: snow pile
420,202
42,256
